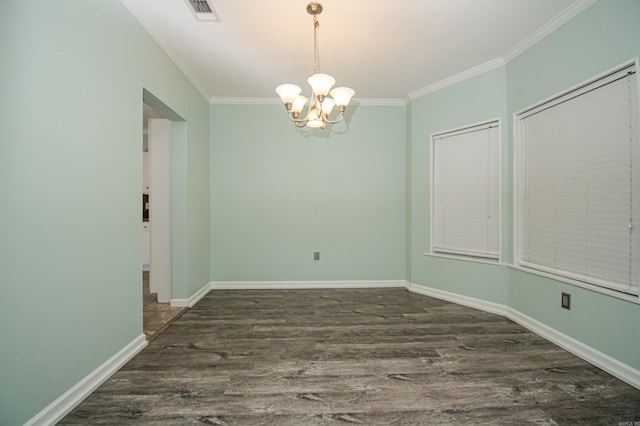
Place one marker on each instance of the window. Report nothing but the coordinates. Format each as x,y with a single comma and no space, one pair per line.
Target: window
465,188
578,184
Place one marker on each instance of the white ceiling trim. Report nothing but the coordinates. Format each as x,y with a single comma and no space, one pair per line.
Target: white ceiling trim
464,75
221,100
380,102
553,24
230,100
135,9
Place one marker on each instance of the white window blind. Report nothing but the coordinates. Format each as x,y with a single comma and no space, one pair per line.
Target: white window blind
465,190
580,185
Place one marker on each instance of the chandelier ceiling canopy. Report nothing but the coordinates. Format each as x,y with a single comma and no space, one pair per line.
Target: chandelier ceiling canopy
323,98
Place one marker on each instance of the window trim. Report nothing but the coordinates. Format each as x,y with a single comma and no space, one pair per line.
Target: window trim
485,124
585,86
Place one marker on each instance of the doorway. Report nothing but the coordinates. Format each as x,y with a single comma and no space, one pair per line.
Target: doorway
157,226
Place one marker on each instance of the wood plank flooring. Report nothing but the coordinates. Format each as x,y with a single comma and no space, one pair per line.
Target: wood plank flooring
372,356
156,316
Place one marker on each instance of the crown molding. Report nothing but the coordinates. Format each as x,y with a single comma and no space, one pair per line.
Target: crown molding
464,75
230,100
380,102
136,11
550,26
554,23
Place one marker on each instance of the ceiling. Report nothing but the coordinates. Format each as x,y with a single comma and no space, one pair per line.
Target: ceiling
387,50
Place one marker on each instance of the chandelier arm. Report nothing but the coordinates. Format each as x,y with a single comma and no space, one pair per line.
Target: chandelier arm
296,120
317,115
336,121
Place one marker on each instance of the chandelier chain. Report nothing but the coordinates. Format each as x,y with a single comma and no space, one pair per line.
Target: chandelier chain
323,98
316,53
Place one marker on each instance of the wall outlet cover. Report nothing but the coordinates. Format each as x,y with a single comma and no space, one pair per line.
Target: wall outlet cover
566,301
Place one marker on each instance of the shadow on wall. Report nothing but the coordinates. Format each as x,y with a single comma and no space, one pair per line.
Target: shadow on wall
331,129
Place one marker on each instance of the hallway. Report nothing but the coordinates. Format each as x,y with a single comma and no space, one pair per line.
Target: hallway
156,316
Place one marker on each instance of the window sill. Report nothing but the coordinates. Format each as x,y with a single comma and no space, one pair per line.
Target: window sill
603,290
486,261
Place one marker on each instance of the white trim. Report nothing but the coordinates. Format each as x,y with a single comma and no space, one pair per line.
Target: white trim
191,301
482,125
379,102
602,79
550,26
179,303
630,63
483,305
236,100
484,260
622,371
302,285
519,170
230,100
283,285
560,278
617,368
134,8
554,23
59,408
66,402
517,186
457,78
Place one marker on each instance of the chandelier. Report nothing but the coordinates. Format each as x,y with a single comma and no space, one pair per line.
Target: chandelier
323,98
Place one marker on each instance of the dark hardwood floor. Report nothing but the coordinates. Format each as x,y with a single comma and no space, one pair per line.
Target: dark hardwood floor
373,357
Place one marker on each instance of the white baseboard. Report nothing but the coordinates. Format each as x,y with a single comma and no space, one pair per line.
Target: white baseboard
63,405
179,303
601,360
616,368
302,285
282,285
483,305
59,408
195,298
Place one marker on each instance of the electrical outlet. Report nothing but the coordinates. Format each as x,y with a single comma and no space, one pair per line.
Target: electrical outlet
566,301
316,255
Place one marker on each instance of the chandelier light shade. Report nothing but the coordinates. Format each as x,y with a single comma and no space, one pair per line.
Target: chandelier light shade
323,98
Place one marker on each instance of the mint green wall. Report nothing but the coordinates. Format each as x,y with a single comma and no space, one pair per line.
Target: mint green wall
71,81
477,99
279,194
602,37
255,197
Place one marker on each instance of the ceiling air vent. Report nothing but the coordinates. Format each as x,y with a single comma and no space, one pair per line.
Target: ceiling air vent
202,10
